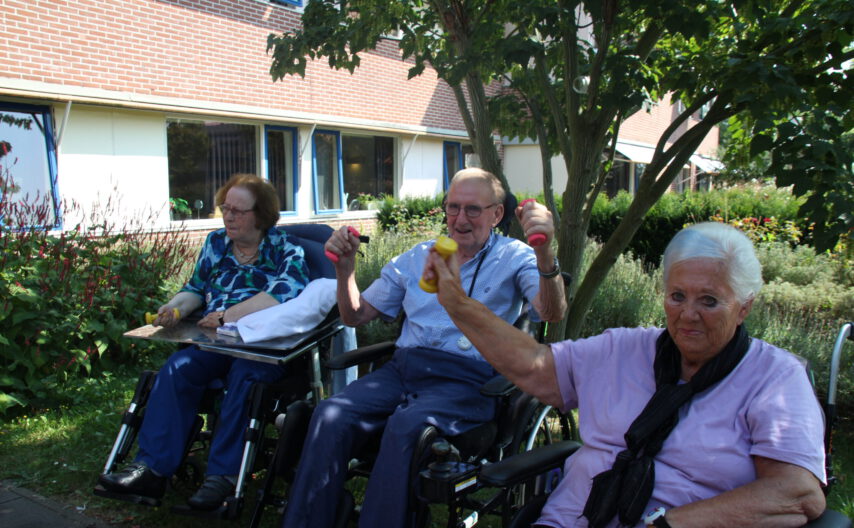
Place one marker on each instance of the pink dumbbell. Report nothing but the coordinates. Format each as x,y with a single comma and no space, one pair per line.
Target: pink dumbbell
353,231
537,239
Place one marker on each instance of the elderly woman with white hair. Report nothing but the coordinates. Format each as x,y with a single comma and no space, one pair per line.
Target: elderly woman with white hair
693,425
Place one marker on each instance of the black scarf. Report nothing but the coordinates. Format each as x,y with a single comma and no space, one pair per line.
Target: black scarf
625,489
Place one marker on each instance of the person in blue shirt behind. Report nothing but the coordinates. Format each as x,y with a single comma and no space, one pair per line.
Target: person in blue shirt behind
435,374
242,268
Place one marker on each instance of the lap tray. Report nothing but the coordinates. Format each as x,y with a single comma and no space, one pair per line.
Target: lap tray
279,350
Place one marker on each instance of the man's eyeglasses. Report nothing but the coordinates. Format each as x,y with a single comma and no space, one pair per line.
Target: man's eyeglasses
238,213
472,211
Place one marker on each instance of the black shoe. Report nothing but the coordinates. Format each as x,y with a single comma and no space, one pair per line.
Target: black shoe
215,489
137,479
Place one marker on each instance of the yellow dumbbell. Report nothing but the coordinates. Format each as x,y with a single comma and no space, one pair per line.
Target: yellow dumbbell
150,317
446,247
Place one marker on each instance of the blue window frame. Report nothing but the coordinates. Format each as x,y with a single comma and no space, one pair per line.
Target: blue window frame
452,161
29,164
281,154
327,172
297,3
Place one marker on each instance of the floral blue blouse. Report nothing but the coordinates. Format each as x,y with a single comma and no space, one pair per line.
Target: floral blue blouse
280,270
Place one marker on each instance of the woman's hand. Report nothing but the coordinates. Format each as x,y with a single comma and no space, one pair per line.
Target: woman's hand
212,320
166,315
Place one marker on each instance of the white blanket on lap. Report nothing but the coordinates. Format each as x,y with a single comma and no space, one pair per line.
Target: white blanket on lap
300,314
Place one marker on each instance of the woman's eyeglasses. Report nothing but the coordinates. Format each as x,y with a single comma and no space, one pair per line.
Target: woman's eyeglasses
472,211
238,213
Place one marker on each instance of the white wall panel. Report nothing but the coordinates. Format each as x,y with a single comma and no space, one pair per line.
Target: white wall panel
115,161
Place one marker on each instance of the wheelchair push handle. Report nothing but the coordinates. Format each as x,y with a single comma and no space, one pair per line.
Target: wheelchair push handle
446,247
353,231
537,239
150,317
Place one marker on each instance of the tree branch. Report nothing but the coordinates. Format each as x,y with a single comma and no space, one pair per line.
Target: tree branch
681,118
602,50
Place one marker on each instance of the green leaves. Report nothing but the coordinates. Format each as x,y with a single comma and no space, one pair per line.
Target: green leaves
66,300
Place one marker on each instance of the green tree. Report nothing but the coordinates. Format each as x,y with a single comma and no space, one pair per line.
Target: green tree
576,70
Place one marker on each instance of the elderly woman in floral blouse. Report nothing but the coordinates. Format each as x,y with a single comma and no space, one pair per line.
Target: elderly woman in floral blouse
243,268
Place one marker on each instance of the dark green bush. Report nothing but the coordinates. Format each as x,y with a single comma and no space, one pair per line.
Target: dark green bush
772,211
68,297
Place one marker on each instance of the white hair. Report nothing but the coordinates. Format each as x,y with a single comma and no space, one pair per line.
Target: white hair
721,242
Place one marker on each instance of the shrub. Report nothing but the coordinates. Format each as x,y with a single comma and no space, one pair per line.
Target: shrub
421,215
69,297
776,208
800,281
802,319
629,297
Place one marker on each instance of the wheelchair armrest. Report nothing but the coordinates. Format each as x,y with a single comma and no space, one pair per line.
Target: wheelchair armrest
523,466
830,519
497,386
361,355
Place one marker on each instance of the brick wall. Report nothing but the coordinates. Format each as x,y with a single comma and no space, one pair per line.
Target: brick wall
210,51
647,127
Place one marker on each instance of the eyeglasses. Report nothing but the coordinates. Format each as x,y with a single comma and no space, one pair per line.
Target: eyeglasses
238,213
472,211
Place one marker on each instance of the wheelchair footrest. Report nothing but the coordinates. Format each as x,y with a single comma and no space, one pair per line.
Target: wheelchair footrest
443,481
101,491
228,510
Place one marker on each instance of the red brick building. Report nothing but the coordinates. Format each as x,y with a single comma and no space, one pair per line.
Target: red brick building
154,103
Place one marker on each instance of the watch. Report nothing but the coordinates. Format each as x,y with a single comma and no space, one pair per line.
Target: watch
222,318
553,273
656,518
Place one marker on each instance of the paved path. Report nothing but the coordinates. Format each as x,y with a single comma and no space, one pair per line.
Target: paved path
21,508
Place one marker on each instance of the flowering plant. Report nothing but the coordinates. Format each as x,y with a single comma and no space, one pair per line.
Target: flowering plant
66,298
764,229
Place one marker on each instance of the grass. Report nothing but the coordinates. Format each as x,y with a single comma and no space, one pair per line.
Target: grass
71,442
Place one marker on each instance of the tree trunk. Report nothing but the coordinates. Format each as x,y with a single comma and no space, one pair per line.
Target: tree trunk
650,190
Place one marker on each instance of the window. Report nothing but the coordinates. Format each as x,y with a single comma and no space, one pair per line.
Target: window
368,167
617,178
327,173
682,182
203,155
453,161
281,144
704,181
28,162
456,158
639,168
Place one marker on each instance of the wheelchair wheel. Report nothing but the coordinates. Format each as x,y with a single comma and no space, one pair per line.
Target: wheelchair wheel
548,426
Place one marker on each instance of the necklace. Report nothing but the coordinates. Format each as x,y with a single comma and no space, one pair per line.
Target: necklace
242,257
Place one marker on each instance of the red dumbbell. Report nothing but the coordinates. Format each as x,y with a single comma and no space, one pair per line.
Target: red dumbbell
537,239
355,232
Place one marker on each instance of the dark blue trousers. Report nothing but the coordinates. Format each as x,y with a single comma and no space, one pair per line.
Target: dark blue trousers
175,399
418,387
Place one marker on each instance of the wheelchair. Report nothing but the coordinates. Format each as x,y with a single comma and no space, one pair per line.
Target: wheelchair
444,468
521,422
304,381
542,468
